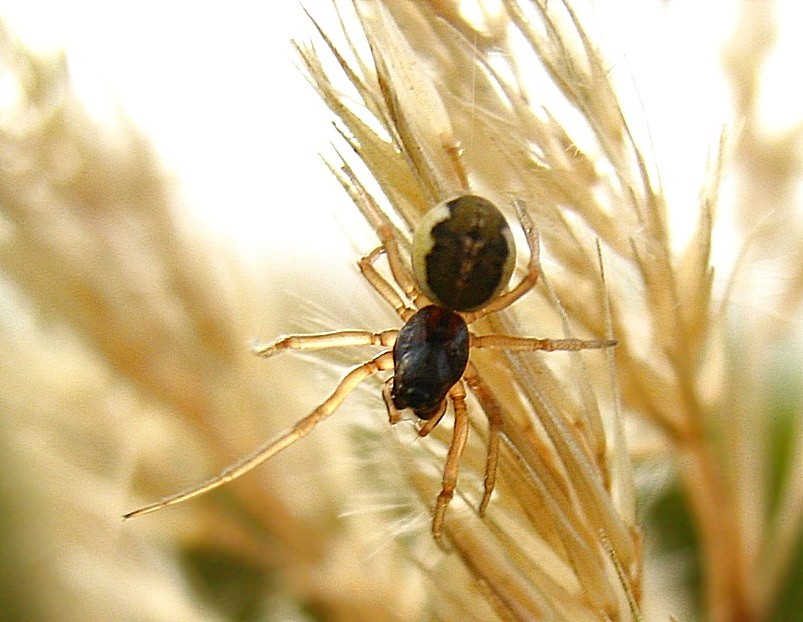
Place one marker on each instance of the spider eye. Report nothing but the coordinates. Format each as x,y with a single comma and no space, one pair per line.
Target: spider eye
463,253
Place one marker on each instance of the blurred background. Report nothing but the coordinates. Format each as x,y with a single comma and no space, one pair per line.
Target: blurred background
164,205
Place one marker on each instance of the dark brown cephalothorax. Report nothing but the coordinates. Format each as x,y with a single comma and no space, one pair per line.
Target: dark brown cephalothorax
430,356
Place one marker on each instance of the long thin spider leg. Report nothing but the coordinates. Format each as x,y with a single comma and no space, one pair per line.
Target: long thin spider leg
381,285
385,289
530,344
527,282
303,427
384,230
490,405
322,341
397,267
493,411
450,469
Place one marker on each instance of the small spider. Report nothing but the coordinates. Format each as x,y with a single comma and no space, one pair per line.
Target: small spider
463,257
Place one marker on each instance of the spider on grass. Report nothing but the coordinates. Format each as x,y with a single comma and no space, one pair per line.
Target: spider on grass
463,257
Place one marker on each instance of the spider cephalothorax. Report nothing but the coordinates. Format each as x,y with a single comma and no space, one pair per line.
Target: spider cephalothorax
429,357
462,260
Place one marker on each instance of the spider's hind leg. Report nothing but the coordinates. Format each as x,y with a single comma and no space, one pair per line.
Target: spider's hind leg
527,282
402,276
493,412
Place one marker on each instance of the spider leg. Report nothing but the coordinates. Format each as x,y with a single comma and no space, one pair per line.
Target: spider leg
458,444
490,405
381,285
303,427
386,290
387,236
379,221
397,266
322,341
529,279
394,414
530,344
493,411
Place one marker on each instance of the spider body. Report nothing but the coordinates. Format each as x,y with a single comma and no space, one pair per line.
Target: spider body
463,253
462,260
429,357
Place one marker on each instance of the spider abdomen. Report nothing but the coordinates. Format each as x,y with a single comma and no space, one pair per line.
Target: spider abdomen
463,253
429,357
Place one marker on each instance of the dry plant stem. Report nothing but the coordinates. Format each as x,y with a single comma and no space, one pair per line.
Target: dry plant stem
729,591
729,595
535,463
784,533
768,208
413,157
474,545
624,579
586,483
173,339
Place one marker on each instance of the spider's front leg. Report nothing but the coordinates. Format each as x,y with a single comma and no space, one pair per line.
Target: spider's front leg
451,467
429,424
323,341
303,427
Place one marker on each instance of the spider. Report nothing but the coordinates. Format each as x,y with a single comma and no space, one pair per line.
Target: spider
463,256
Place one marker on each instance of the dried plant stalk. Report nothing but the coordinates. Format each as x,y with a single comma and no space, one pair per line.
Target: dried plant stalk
433,119
435,104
